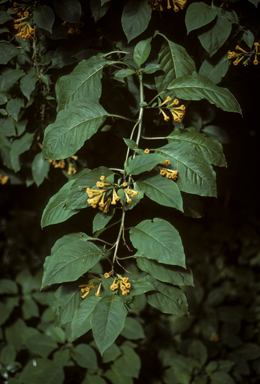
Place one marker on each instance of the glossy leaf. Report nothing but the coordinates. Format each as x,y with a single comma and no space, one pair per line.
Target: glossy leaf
81,322
40,169
215,72
198,87
70,262
66,302
142,51
108,320
161,190
73,126
158,240
135,18
18,147
28,82
56,210
198,15
68,10
44,17
143,163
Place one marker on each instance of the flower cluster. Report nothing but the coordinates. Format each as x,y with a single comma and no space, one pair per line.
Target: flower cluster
107,195
119,281
177,112
239,56
26,31
159,5
73,28
62,164
3,179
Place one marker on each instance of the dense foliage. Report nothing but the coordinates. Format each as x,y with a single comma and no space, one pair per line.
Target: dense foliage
116,111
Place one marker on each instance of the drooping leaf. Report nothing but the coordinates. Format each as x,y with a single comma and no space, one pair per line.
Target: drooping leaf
166,273
161,190
28,82
142,51
135,18
70,262
198,87
108,320
81,322
8,51
68,10
158,240
85,356
130,361
83,81
143,163
215,72
213,37
56,210
73,126
18,147
40,169
198,15
209,148
175,62
44,17
66,301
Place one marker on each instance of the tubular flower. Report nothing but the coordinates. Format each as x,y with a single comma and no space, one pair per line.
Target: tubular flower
3,179
169,173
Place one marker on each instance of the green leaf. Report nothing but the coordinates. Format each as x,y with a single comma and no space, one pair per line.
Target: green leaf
68,10
198,87
143,163
56,210
41,344
175,62
194,141
167,299
66,302
198,15
161,190
81,322
215,72
11,77
83,81
166,273
212,38
28,82
142,51
73,126
40,169
18,147
221,378
44,17
135,18
4,17
102,219
85,356
158,240
70,262
8,51
13,107
196,176
8,287
133,329
108,320
130,361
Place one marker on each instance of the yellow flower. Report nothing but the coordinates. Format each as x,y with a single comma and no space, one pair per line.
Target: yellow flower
3,179
98,291
146,151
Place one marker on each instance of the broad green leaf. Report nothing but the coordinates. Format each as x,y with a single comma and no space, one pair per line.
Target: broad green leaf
133,329
41,344
8,51
66,301
215,72
38,371
56,210
73,126
40,169
158,240
130,361
18,147
166,273
29,307
111,353
221,378
13,107
142,51
8,354
102,219
83,81
11,77
44,17
195,175
198,87
28,82
70,262
175,62
85,356
198,15
143,163
212,38
209,148
68,10
8,287
4,17
135,18
108,320
81,322
161,190
168,299
7,127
